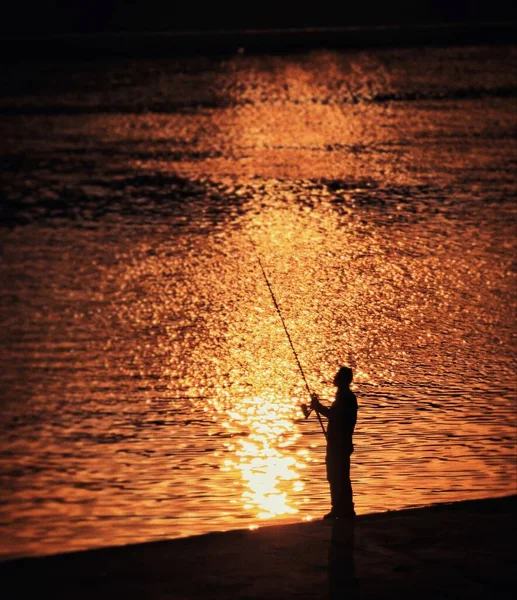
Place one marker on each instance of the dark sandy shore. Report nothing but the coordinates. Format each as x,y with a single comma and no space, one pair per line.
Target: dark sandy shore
458,550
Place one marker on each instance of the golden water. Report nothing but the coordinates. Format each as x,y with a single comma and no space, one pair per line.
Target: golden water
148,387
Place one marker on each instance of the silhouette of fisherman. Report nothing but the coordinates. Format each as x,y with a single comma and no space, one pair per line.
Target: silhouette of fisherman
342,416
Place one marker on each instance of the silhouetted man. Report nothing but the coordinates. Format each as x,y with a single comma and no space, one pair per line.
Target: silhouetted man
342,416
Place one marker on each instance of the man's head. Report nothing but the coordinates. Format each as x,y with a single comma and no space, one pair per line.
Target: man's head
343,377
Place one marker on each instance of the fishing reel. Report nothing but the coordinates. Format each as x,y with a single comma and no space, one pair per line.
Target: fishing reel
305,410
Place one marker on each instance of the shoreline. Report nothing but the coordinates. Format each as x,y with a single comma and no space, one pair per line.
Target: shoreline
460,549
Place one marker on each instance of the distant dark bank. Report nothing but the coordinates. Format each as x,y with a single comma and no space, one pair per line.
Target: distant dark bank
453,550
187,43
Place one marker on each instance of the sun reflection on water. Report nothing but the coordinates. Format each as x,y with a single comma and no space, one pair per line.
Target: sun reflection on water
163,392
263,456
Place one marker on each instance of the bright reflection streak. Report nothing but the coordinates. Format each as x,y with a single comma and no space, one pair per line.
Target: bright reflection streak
263,459
134,299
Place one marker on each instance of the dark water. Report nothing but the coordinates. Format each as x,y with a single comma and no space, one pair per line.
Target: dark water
148,389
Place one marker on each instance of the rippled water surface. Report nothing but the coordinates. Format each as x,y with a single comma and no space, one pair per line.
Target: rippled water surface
148,389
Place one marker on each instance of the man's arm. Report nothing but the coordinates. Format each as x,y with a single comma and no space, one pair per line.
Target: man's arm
318,406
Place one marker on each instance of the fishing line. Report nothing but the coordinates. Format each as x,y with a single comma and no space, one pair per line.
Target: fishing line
286,331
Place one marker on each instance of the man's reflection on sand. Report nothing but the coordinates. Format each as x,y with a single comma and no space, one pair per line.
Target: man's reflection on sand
343,582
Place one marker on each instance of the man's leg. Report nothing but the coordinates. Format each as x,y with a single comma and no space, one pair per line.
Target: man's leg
333,479
344,495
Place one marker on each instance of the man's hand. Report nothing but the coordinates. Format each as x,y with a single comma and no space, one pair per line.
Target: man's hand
314,401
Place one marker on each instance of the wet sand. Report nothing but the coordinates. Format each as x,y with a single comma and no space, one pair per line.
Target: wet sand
456,550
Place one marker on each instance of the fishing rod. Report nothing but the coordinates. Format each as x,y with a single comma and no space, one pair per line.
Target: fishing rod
305,410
